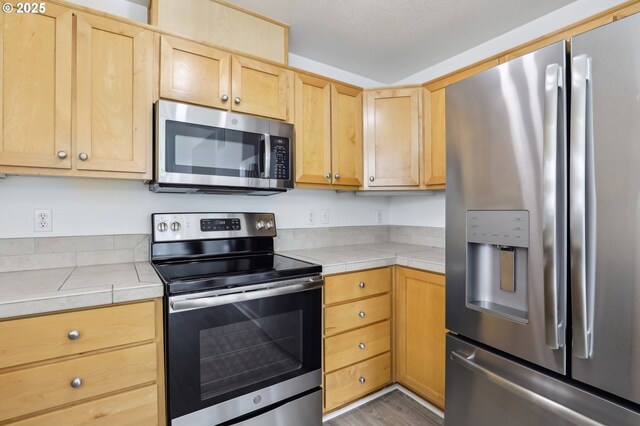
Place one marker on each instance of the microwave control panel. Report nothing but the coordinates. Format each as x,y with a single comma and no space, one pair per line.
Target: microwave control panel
280,158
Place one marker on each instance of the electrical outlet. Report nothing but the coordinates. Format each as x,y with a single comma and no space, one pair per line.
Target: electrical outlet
311,217
324,216
380,216
42,220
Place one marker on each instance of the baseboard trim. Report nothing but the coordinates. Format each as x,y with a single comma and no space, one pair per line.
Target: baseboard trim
380,393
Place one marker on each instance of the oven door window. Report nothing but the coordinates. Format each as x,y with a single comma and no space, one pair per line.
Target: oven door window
214,151
219,353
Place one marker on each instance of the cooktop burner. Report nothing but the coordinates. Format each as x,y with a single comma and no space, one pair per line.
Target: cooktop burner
206,274
195,252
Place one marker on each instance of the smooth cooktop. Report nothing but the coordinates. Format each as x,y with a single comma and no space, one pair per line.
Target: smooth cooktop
204,274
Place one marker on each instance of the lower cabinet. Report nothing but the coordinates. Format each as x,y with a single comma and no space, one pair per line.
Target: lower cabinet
92,366
419,347
357,335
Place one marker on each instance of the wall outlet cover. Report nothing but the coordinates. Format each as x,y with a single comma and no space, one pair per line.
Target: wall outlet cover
42,220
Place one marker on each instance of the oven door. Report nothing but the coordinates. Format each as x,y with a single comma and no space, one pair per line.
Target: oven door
229,354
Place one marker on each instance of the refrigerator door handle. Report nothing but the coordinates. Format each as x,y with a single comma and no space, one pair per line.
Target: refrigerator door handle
468,362
581,207
552,208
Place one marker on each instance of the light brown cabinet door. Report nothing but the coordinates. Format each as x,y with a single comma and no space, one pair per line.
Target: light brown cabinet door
35,104
392,137
346,131
434,138
420,333
260,89
194,73
313,130
114,95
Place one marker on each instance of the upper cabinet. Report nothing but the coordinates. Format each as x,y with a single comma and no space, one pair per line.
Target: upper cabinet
195,73
114,91
36,88
393,137
434,138
113,79
328,126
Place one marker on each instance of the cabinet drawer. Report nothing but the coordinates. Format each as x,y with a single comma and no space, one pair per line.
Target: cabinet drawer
48,336
350,383
356,314
47,386
356,345
343,287
136,407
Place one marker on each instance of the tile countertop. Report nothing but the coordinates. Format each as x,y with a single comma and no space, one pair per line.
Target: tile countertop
335,260
49,290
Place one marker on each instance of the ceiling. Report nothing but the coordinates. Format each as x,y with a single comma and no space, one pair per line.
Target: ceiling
389,40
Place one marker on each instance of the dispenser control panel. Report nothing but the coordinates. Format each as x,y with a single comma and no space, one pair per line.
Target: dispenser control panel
498,227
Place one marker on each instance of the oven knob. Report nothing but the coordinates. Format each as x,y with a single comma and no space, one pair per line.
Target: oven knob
175,226
162,226
260,224
269,224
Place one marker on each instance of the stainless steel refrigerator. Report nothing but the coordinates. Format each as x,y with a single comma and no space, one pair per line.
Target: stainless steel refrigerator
543,236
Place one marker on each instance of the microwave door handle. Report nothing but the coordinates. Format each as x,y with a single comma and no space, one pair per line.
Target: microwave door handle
266,157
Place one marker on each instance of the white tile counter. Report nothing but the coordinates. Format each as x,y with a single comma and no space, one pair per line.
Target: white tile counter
48,290
335,260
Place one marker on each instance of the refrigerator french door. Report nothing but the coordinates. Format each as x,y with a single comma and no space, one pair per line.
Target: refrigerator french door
505,207
543,236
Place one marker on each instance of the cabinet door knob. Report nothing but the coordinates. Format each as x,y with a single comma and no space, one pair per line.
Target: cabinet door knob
62,155
361,346
83,156
371,178
327,175
224,98
361,314
362,380
237,99
76,382
362,284
73,334
337,176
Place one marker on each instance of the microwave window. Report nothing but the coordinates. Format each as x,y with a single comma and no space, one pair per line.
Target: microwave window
196,149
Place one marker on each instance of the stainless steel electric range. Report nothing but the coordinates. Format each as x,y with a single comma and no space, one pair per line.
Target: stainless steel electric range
242,324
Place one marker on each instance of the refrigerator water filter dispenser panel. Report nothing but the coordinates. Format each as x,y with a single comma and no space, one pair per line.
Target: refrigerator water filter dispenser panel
497,263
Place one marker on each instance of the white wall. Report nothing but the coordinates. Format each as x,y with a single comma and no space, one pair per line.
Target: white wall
549,23
131,9
418,210
331,72
84,206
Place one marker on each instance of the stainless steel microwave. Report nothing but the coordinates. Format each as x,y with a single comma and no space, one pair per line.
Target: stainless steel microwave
200,149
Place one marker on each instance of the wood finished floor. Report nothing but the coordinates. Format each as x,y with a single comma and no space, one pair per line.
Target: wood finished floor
392,409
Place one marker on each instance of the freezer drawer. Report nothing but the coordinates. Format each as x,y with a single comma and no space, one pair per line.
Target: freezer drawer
484,388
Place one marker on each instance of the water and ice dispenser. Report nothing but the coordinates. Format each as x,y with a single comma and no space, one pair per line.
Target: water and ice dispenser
497,262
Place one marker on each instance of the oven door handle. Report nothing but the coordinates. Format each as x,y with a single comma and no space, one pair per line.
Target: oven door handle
225,299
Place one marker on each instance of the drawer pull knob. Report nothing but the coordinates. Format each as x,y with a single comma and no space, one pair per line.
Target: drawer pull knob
76,383
237,100
362,284
73,334
361,346
362,380
224,98
361,314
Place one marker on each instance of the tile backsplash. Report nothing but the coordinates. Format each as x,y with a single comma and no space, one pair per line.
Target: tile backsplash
23,254
307,238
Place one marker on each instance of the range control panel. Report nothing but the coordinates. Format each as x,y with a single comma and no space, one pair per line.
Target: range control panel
207,226
213,225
